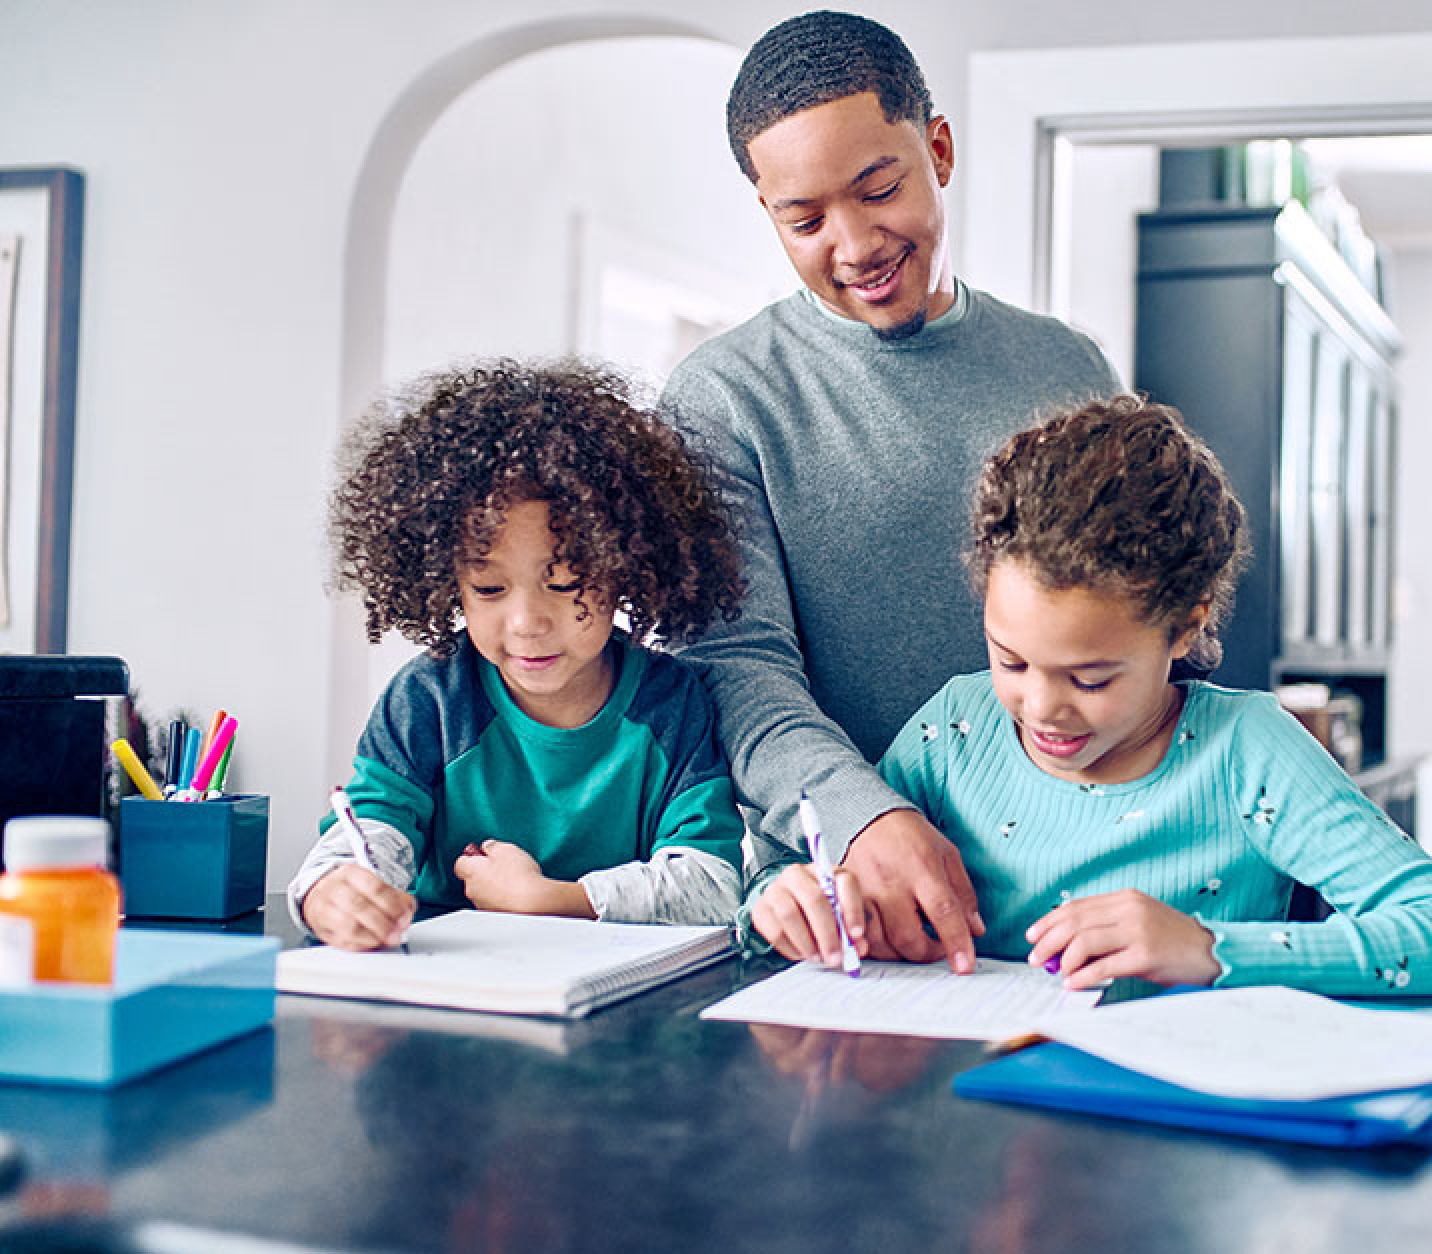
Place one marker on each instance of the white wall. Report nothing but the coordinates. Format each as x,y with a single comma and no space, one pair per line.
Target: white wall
485,253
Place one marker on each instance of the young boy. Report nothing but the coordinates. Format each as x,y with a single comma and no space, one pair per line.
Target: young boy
536,759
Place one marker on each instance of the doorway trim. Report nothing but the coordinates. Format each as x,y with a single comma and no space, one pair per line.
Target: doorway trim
1026,108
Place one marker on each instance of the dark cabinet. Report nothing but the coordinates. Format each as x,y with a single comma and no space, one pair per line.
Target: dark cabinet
1251,323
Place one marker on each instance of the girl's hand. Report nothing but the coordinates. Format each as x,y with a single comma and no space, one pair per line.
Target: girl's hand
351,908
1128,933
794,915
498,875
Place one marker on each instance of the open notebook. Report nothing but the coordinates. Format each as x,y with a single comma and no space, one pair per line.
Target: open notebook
509,963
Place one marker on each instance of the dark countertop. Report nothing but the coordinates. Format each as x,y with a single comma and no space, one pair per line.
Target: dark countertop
364,1127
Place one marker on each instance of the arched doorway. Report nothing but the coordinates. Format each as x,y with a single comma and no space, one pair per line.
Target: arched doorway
499,188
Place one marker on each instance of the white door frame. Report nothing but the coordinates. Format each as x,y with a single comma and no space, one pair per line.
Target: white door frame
1027,107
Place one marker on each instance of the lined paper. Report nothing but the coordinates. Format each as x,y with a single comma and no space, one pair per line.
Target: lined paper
907,999
1264,1043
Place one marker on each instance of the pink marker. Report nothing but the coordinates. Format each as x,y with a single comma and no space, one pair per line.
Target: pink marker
204,772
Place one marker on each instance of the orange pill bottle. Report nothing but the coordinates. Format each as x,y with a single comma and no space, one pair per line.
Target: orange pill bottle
59,906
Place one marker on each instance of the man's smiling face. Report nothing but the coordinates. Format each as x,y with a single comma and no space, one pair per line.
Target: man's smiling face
857,203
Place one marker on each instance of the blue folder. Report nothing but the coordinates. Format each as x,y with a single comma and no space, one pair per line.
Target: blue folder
1063,1078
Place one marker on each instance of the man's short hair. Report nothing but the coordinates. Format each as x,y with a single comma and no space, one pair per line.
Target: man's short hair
816,58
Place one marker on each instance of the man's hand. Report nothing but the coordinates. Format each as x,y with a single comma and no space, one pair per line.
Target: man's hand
351,908
910,875
1106,937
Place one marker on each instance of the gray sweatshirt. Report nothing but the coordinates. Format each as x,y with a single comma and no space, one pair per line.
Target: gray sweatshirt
850,462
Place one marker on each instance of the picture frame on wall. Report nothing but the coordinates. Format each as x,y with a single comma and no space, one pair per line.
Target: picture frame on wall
41,243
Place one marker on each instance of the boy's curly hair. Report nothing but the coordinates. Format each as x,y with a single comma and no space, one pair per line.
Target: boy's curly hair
427,474
1116,495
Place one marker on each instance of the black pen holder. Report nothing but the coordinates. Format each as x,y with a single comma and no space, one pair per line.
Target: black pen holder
193,859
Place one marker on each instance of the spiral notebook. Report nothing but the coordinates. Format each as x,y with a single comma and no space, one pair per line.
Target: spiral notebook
509,963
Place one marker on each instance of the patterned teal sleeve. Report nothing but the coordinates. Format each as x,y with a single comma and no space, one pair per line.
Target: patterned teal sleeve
752,942
916,764
1307,818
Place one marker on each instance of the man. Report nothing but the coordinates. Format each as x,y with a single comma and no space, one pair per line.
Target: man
850,419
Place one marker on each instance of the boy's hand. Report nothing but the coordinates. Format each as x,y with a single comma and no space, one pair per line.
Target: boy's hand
794,915
1127,933
912,874
351,908
498,875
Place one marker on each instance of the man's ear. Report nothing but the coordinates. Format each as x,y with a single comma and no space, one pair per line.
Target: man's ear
940,141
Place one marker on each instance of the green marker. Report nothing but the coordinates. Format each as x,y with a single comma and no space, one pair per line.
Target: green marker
216,785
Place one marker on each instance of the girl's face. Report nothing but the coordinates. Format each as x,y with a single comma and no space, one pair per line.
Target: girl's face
521,609
1083,676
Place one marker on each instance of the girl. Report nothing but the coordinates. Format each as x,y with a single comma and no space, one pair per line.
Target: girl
535,759
1113,822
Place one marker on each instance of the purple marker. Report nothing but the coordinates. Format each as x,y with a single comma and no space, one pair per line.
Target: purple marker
849,958
1052,965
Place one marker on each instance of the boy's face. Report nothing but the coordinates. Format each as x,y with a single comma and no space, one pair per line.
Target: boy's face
522,615
856,202
1083,676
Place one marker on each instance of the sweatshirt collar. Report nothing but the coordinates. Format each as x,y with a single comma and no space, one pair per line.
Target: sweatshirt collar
955,313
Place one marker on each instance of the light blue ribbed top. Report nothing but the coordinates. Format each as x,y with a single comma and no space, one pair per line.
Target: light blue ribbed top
1244,803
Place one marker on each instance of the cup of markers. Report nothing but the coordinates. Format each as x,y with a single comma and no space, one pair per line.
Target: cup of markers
191,861
195,766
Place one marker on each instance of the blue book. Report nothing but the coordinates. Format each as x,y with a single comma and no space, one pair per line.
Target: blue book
1063,1078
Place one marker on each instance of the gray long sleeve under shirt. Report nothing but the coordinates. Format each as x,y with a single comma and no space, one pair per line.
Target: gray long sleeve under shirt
851,463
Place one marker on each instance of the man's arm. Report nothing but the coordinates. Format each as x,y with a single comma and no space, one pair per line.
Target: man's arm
778,739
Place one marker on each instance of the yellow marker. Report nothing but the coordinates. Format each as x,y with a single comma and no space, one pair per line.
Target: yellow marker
134,768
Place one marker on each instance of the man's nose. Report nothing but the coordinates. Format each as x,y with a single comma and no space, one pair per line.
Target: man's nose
856,242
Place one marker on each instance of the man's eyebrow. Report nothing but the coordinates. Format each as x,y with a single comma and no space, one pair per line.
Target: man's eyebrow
800,202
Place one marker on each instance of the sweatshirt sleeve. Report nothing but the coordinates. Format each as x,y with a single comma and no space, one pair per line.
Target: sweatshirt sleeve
395,774
778,739
693,874
676,886
390,851
1308,819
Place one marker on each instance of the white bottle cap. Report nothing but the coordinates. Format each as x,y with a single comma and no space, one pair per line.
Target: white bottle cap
55,842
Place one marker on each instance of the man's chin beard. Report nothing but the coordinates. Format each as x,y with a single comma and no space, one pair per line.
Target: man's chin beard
903,330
